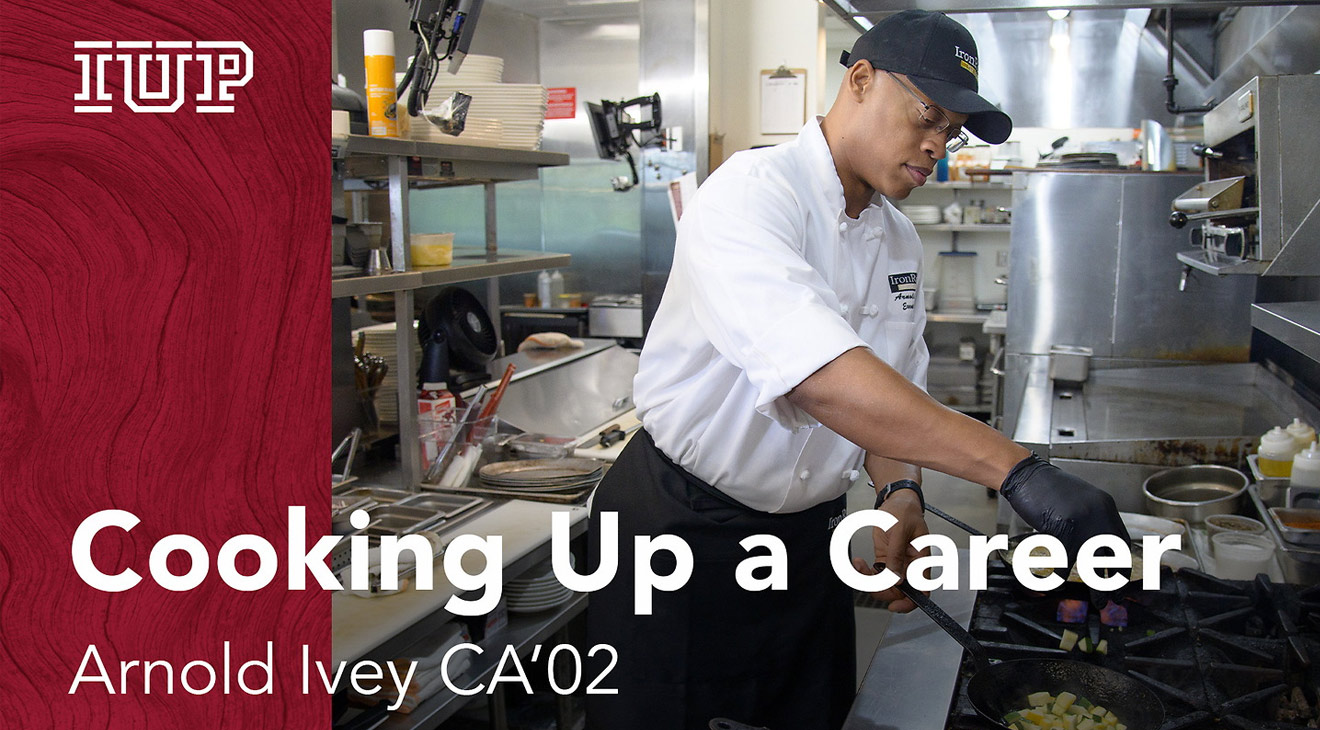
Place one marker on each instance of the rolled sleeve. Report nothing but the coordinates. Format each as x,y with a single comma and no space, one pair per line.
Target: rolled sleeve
823,336
759,301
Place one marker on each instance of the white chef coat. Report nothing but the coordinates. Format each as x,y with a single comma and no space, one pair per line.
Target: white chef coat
771,281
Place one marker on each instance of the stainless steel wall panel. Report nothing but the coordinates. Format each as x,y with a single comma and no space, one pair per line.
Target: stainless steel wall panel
1153,320
1264,41
1092,264
1062,262
674,62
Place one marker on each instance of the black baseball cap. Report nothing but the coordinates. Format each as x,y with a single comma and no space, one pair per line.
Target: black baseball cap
938,55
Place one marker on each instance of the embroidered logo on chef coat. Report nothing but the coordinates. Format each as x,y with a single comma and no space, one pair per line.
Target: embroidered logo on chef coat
903,282
904,289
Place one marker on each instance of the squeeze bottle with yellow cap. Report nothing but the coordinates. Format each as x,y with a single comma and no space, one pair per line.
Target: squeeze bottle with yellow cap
1275,454
378,52
1301,432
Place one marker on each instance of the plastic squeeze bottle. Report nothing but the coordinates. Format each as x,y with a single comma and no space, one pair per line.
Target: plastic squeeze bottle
1306,467
1301,432
1275,454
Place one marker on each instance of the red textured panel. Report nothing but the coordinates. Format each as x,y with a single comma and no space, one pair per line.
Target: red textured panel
164,349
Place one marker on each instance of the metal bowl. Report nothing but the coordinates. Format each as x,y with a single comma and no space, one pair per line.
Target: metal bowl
1193,493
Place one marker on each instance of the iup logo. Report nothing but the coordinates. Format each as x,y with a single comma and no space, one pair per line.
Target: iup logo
205,71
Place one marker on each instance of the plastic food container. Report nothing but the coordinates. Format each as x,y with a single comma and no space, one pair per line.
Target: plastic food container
432,249
1240,556
1215,524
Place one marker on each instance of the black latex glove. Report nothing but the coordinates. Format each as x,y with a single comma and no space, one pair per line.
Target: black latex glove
1060,504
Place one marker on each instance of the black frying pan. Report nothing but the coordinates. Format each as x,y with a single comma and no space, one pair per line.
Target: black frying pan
998,689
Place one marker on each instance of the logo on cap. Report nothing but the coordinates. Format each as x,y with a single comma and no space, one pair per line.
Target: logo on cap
965,59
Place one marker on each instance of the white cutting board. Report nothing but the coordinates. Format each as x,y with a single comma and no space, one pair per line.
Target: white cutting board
593,449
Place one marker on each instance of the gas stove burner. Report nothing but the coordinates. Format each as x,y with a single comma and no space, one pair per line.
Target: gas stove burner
1220,654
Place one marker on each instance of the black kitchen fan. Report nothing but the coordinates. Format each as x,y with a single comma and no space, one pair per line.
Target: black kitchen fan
458,340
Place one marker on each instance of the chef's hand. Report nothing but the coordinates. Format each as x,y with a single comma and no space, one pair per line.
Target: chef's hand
893,546
1060,504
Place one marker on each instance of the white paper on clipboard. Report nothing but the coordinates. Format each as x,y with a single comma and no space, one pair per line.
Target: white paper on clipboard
783,100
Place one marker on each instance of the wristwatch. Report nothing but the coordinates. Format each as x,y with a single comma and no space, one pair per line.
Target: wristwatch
892,487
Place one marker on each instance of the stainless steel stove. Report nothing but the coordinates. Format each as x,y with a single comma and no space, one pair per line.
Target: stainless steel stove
1230,654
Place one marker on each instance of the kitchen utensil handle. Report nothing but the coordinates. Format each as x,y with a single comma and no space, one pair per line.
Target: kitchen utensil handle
944,621
494,403
953,520
721,723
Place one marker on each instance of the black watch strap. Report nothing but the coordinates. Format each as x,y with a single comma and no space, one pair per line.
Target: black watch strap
892,487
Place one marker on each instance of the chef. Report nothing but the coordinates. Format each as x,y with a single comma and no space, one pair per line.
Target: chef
785,356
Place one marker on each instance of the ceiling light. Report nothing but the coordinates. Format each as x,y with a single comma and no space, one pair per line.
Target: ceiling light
863,21
1057,13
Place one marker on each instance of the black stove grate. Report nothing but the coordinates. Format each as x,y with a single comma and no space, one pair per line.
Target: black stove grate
1220,654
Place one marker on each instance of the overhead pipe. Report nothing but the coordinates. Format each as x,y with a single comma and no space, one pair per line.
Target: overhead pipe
1170,80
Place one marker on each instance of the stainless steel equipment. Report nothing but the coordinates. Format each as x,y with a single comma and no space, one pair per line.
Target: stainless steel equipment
1194,493
1258,209
1090,267
561,395
615,315
1125,424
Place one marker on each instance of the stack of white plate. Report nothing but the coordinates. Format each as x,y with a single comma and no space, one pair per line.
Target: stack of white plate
538,590
380,341
475,68
519,108
922,214
481,132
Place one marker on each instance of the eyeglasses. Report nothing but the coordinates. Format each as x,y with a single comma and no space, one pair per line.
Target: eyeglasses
933,119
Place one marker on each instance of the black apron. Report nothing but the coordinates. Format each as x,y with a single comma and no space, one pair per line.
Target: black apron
780,659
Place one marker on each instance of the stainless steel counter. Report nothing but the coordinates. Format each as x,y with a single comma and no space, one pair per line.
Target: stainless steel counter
909,684
1124,424
1204,403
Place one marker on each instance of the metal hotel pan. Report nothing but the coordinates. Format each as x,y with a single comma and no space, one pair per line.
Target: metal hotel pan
998,689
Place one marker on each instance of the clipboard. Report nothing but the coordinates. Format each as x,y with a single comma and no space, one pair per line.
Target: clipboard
783,100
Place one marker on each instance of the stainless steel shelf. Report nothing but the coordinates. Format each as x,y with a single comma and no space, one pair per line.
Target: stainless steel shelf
523,632
966,185
470,264
359,145
966,227
1295,324
957,318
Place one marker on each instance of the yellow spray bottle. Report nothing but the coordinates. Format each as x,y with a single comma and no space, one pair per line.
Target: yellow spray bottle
378,50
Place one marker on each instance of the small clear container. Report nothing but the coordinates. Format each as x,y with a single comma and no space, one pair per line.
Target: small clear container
1240,556
957,281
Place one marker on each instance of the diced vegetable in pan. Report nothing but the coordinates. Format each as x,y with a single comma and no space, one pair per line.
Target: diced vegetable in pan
1065,711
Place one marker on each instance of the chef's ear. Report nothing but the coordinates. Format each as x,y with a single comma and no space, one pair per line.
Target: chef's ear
860,79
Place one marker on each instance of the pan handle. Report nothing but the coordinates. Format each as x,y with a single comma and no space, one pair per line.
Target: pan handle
721,723
944,621
953,520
